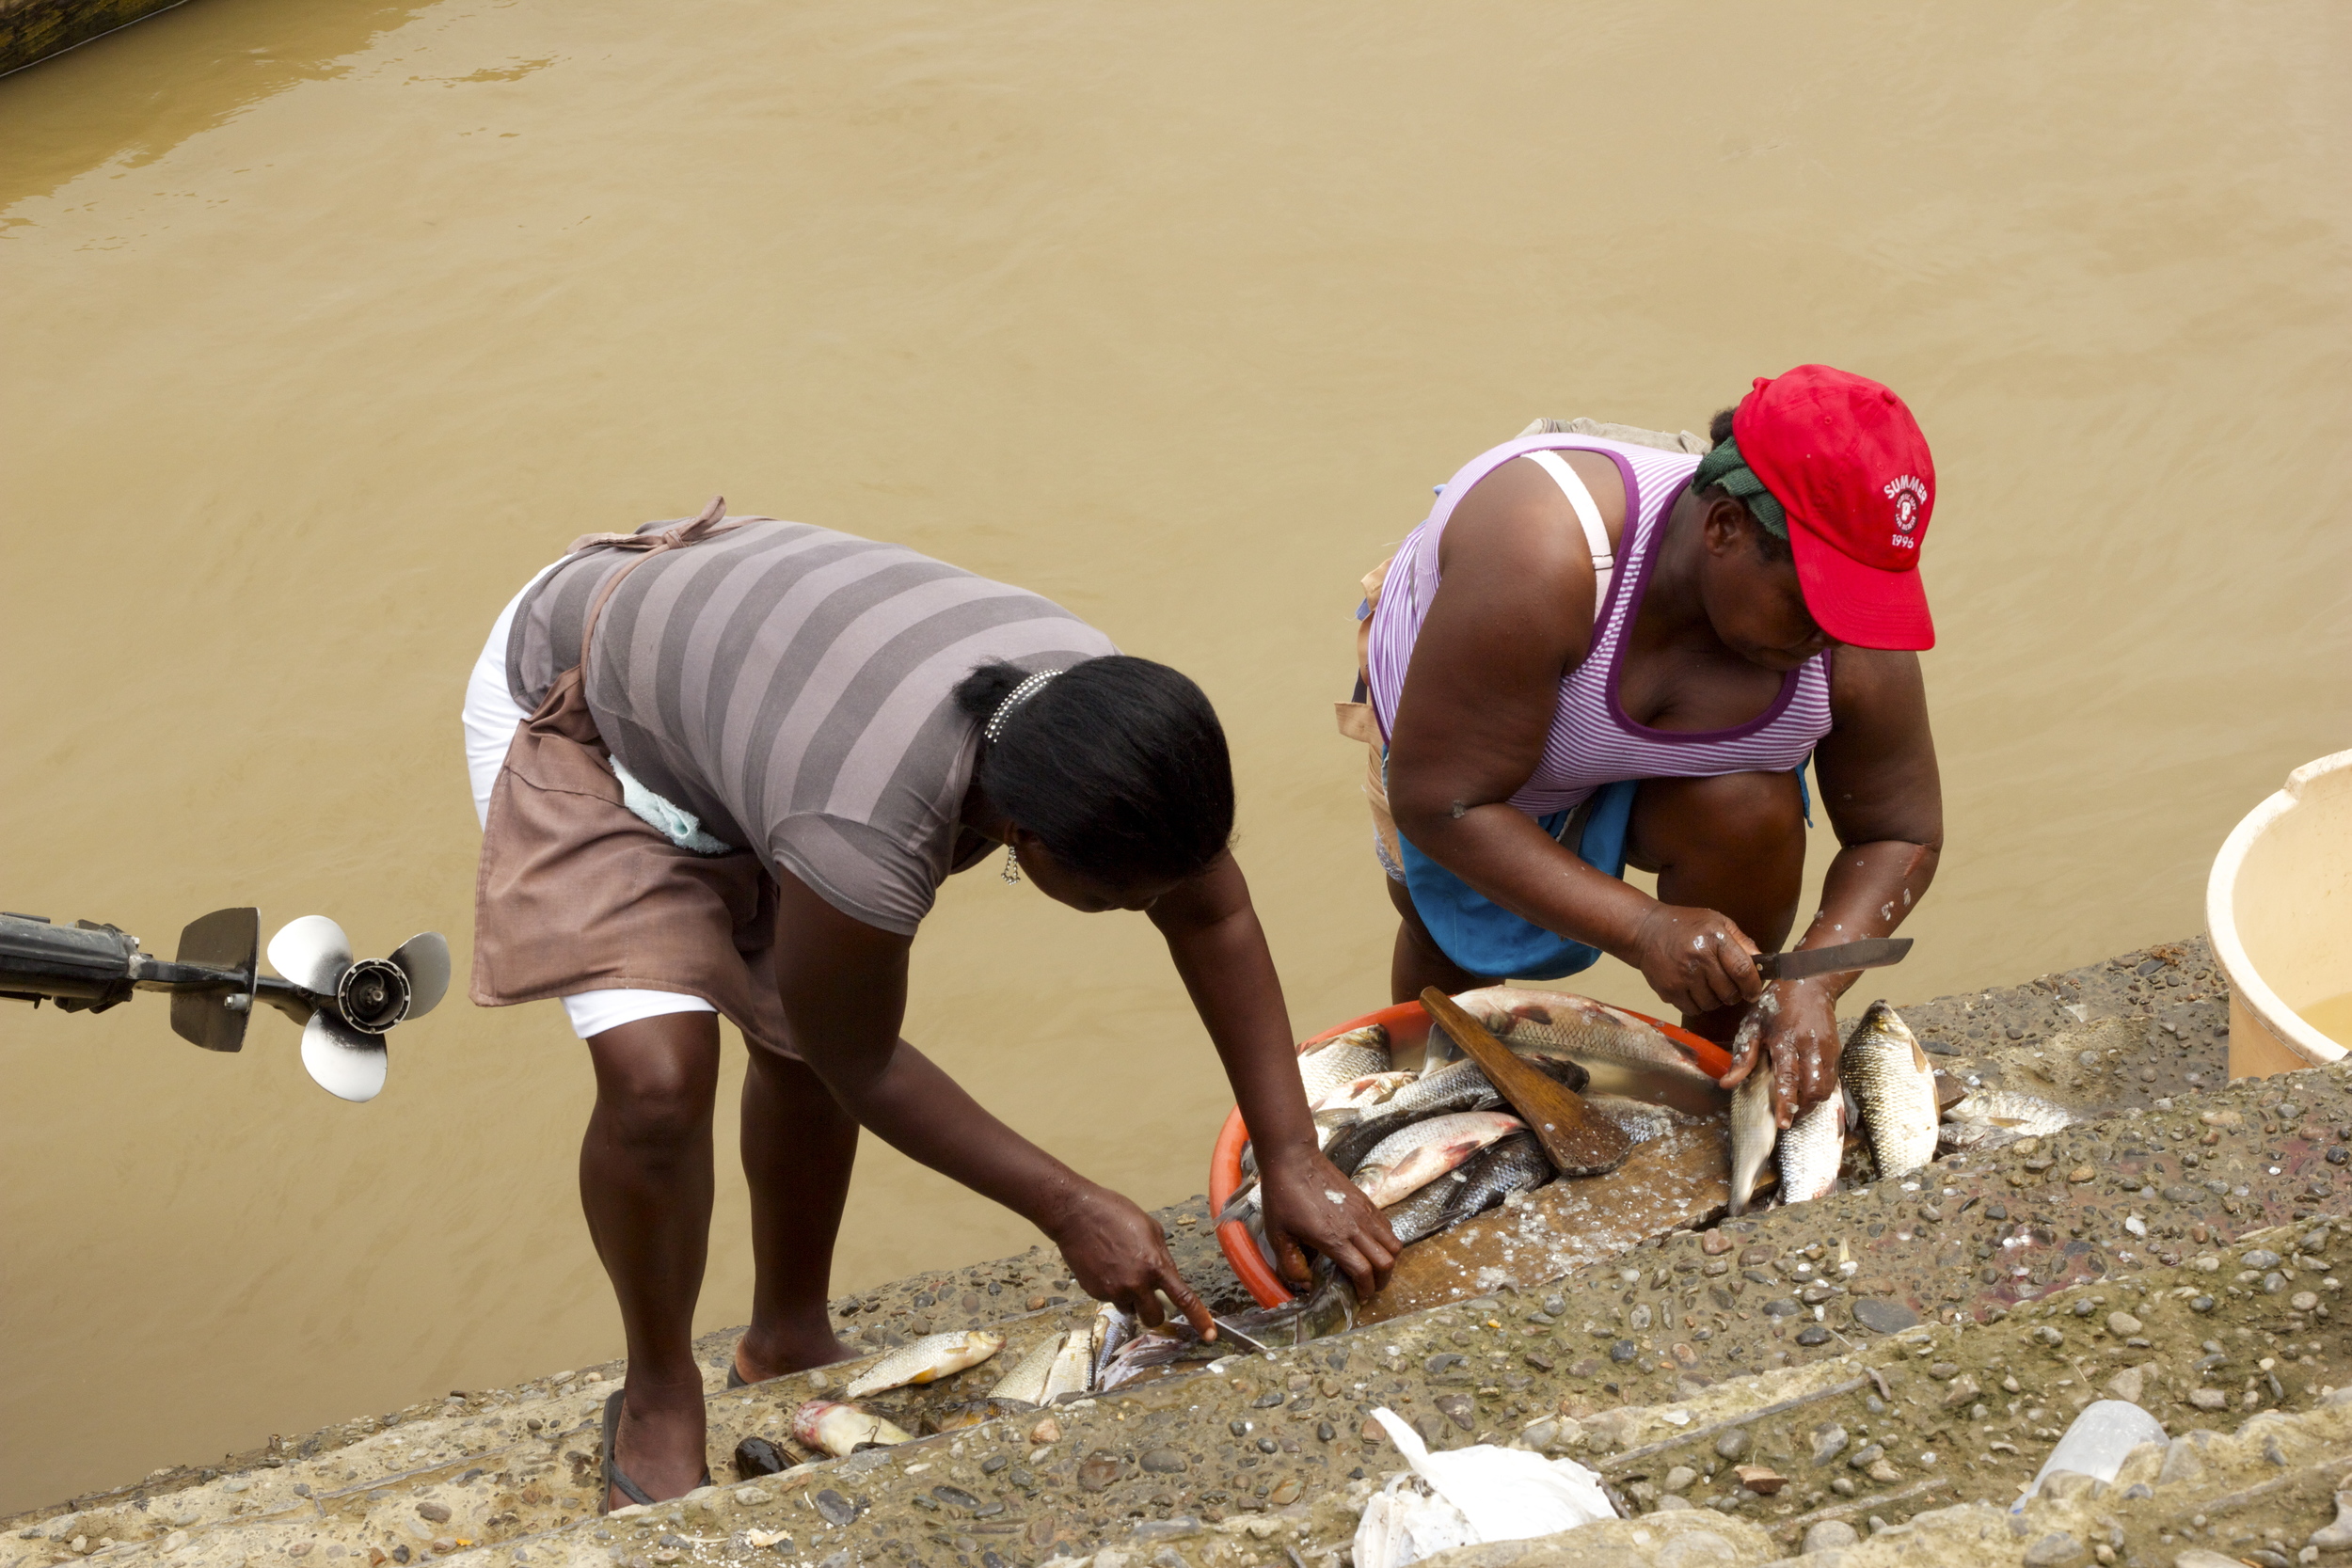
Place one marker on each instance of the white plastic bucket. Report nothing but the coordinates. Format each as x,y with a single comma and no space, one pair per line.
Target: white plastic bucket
2279,911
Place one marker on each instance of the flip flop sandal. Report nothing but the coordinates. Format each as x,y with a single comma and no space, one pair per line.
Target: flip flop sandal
615,1476
736,1379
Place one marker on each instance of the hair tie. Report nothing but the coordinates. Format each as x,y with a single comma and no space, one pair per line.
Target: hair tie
994,729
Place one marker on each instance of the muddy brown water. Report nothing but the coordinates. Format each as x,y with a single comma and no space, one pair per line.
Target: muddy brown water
330,321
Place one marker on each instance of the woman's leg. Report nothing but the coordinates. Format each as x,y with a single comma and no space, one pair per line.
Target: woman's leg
1734,844
645,1181
799,1145
1417,959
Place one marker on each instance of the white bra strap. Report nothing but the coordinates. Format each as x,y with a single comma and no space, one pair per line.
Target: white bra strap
1595,535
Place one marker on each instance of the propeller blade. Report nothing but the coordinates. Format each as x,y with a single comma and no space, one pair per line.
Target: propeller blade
312,952
345,1062
424,959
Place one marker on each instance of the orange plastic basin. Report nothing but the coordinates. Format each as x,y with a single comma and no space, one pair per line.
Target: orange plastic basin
1407,1023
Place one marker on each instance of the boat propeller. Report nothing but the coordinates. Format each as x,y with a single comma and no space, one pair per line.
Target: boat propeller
345,1005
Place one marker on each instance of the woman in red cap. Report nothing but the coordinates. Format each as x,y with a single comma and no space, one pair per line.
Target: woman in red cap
1599,653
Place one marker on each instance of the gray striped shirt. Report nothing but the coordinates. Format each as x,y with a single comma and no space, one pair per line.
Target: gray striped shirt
794,689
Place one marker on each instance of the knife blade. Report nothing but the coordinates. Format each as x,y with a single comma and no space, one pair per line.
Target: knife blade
1877,952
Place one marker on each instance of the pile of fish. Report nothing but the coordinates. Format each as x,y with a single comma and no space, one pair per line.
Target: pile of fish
1434,1145
1111,1351
1889,1093
1437,1146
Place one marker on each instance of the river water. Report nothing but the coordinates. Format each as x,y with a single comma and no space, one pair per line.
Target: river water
329,321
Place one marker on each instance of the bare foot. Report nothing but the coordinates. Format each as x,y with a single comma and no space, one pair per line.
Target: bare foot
760,1356
659,1443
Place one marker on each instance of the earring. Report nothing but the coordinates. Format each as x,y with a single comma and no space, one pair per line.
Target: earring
1011,873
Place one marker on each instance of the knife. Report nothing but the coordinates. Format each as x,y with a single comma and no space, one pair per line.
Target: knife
1875,954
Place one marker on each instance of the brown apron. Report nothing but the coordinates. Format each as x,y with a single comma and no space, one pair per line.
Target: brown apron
578,893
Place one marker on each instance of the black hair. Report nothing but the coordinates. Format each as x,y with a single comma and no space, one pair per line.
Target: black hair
1771,546
1119,764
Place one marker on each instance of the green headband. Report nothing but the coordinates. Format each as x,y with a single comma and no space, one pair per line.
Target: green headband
1725,466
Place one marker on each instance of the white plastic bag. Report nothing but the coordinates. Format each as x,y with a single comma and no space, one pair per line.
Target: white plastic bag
2096,1444
1503,1494
1403,1523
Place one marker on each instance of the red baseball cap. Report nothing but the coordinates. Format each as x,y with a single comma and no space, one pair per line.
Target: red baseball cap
1845,461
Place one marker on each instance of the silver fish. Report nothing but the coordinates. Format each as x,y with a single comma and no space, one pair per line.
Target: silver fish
926,1359
1072,1371
1550,1022
1357,1053
1113,1327
1328,1307
1337,1110
1892,1086
1059,1364
1153,1349
1512,1164
1413,1157
1811,1150
1026,1381
1457,1086
1753,1133
841,1429
1362,1094
2022,1115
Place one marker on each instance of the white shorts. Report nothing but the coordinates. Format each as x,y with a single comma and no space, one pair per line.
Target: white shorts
490,719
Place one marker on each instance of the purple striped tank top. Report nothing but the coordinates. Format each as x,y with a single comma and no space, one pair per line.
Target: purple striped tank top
1591,742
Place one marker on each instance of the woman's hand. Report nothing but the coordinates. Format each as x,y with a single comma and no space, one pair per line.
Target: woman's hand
1796,1021
1696,959
1117,1253
1310,1204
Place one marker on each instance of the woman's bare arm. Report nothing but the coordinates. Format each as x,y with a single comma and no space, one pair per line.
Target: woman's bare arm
843,984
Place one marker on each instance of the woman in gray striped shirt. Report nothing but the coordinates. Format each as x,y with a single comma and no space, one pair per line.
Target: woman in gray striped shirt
722,767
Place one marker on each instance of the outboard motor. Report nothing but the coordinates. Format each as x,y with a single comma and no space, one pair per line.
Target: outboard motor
345,1005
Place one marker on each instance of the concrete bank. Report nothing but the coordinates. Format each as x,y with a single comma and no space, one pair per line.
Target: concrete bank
33,30
1901,1353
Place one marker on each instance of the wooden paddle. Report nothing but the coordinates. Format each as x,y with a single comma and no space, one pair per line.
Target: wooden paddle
1580,1141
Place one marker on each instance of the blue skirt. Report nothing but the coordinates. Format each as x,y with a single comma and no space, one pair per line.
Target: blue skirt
1487,939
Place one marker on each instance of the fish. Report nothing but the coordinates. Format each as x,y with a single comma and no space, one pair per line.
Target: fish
1362,1093
926,1360
1357,1053
1328,1307
1414,1156
2020,1115
1811,1150
1555,1023
1808,1154
971,1413
1113,1327
1154,1350
1026,1381
1513,1165
1338,1110
842,1429
1457,1086
1892,1086
1753,1133
1059,1364
1072,1371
